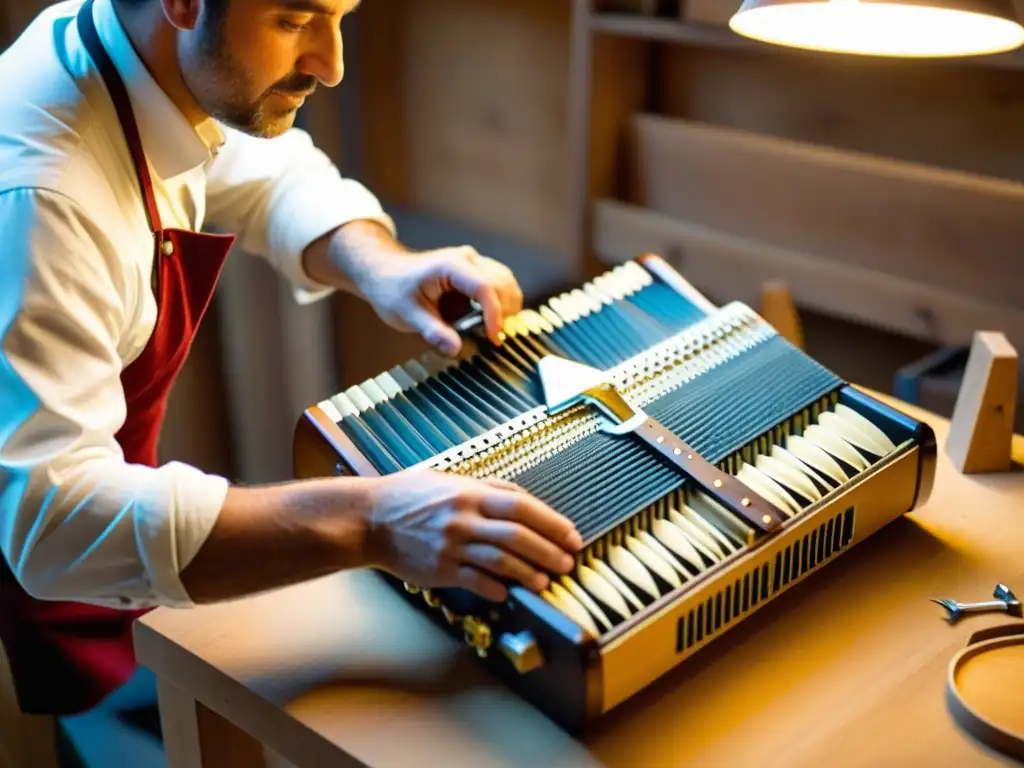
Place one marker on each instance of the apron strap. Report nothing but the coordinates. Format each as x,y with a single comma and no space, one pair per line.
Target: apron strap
122,104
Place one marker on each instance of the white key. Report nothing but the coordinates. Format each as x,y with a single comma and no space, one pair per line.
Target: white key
698,532
673,537
607,284
587,601
551,316
829,441
330,411
388,385
402,378
780,453
648,540
632,570
601,568
588,301
509,327
726,523
344,405
535,322
846,412
653,560
576,611
786,475
372,391
358,399
417,371
702,532
599,587
724,544
807,451
764,486
597,295
851,433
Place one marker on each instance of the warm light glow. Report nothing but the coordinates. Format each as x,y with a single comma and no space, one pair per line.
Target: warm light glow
880,29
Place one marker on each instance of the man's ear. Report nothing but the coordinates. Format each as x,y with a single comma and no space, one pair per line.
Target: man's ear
183,14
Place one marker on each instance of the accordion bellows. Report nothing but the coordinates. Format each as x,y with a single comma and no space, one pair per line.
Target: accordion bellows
668,566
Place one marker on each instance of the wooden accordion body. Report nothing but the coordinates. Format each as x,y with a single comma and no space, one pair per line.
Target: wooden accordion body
665,569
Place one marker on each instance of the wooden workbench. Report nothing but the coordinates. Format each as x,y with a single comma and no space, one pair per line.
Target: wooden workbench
847,668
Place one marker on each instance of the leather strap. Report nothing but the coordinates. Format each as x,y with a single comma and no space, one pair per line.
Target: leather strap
985,731
122,104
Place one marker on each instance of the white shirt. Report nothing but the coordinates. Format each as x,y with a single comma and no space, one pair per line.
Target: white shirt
76,306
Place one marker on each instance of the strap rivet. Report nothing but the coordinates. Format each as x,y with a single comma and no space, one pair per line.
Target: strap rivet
167,247
767,519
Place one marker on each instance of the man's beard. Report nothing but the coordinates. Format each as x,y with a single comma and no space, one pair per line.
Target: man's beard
220,86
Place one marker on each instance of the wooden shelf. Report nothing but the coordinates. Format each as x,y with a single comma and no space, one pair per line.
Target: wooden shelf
668,30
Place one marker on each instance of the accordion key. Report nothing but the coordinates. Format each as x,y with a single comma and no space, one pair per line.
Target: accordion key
708,464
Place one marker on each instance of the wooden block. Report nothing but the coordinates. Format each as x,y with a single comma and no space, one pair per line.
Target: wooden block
778,308
981,431
949,230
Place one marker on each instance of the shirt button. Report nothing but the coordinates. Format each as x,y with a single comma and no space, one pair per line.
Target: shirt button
167,248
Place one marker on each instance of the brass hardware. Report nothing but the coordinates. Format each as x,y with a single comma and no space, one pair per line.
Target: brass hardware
451,617
431,599
410,588
478,634
522,650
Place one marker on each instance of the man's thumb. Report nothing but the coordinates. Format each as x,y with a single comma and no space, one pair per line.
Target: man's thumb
435,331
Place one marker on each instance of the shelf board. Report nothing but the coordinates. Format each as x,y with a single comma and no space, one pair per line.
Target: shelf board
669,30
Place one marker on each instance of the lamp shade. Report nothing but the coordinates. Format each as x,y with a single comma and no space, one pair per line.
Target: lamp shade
911,28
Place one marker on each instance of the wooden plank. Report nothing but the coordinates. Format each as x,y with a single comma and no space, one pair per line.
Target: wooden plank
949,230
733,268
932,112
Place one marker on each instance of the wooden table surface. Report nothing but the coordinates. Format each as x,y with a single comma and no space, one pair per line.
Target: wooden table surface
847,668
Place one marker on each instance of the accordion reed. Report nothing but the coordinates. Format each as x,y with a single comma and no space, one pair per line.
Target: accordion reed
727,466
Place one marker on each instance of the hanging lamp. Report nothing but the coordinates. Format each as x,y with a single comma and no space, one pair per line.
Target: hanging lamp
908,28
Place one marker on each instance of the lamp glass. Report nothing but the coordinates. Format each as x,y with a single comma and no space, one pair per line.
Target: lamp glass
878,28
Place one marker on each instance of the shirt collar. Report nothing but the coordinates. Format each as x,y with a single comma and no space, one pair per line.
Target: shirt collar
173,145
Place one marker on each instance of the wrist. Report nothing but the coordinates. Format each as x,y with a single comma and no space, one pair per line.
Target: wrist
347,258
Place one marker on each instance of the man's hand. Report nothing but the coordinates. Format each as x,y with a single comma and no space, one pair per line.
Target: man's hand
437,530
405,287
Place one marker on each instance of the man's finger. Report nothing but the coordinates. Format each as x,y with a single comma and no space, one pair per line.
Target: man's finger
523,508
477,581
472,281
505,283
434,330
522,542
504,565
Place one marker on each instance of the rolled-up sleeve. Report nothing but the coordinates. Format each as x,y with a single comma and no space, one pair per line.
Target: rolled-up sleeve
279,195
78,522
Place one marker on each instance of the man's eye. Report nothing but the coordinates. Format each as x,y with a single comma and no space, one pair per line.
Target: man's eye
291,26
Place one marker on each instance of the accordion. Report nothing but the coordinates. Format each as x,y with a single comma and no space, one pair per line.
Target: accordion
708,464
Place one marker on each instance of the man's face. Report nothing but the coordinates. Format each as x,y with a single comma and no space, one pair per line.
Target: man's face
252,66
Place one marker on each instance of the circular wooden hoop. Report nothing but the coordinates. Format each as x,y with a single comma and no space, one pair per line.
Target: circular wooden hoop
985,731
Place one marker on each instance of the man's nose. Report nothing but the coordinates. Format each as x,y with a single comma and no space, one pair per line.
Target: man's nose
326,60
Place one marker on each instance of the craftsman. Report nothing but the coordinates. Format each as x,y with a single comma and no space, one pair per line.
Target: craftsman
126,128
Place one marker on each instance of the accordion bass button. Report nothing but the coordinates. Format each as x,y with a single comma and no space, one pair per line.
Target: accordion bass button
522,650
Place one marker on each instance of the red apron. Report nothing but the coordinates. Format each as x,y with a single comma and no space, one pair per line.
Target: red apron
66,657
